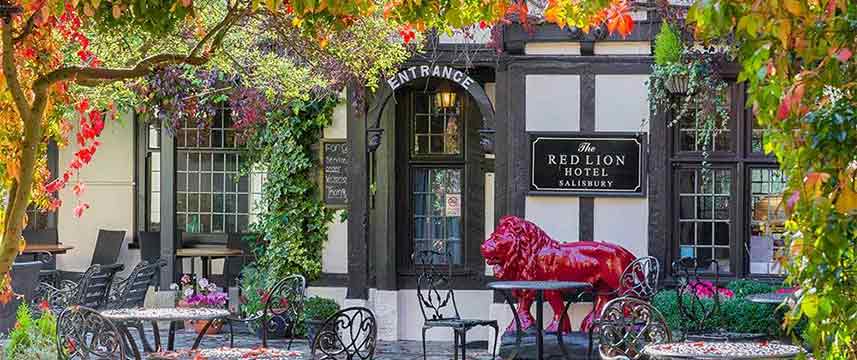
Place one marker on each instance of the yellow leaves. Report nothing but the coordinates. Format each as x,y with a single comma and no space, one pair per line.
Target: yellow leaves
795,7
846,200
783,32
813,182
296,22
809,305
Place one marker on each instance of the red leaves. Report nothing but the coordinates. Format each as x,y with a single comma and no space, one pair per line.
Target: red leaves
79,209
843,55
44,305
791,101
407,33
618,18
78,189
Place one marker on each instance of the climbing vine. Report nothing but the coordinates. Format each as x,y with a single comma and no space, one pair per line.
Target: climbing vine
293,219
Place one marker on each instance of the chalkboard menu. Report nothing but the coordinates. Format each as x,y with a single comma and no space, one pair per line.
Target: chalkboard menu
587,164
335,160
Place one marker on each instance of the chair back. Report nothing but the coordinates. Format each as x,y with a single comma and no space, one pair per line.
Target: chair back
640,278
626,326
107,247
434,286
131,292
350,334
25,278
82,333
94,287
285,303
693,288
41,236
150,245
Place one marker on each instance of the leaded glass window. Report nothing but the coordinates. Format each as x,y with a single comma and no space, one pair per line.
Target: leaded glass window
437,203
767,246
704,215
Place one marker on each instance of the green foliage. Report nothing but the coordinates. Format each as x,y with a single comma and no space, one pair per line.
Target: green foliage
736,314
668,46
319,308
252,281
293,218
32,339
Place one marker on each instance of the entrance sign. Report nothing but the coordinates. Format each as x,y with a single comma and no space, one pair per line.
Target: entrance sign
587,164
416,72
335,159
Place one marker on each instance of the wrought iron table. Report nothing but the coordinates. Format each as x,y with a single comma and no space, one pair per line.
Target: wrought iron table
51,248
172,315
768,298
539,287
723,350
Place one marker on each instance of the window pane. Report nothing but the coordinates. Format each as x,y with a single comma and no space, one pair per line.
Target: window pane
692,133
438,189
766,221
438,131
704,218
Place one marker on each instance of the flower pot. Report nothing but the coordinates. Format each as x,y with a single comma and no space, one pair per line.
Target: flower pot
677,84
277,328
197,325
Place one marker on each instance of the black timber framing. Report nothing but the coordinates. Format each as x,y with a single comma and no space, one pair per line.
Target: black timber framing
586,214
358,201
168,207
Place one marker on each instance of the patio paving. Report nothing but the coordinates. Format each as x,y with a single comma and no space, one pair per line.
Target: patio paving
399,350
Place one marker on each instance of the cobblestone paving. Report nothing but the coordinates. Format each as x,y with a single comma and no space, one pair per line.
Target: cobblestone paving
399,350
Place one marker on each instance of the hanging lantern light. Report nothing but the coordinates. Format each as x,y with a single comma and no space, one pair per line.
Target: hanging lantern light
445,97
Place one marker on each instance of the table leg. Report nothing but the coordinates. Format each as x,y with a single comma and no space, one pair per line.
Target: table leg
206,267
171,338
157,333
518,332
201,334
540,332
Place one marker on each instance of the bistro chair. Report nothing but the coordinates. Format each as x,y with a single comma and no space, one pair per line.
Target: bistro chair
350,334
25,277
82,333
131,293
283,308
107,249
640,278
694,310
150,249
437,302
626,325
92,290
49,273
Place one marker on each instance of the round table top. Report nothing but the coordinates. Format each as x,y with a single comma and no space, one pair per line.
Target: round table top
165,314
538,285
225,353
208,252
768,298
722,350
51,248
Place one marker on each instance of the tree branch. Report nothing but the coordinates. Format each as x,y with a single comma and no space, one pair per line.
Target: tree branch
88,74
218,31
28,28
10,72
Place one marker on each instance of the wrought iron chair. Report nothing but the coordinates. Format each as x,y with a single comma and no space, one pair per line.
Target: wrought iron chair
82,333
91,291
436,297
284,305
626,325
350,334
640,278
131,293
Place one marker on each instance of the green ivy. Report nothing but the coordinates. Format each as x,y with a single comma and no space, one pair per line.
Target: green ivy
293,219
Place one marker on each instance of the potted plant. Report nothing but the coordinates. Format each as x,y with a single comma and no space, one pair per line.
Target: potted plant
316,311
668,51
201,294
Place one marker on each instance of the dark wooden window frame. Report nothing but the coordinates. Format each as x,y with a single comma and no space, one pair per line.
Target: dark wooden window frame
470,273
740,160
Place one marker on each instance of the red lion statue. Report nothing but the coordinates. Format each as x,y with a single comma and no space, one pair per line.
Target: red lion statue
520,250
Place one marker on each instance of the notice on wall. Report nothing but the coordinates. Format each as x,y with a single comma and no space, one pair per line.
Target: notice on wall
453,205
335,160
587,164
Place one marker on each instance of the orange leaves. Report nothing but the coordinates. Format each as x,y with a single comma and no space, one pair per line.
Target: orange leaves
791,102
6,292
813,182
618,18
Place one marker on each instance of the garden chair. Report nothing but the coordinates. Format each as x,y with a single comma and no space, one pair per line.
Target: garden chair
49,272
91,291
695,310
150,249
131,293
350,334
82,333
25,277
283,307
626,325
640,278
437,302
107,249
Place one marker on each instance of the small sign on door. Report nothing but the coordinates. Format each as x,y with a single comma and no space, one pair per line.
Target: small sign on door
453,205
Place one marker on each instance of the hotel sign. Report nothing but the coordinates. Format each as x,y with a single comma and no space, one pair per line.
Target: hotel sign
582,164
415,72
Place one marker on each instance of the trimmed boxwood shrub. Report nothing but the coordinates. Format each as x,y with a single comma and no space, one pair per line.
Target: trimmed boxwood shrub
736,314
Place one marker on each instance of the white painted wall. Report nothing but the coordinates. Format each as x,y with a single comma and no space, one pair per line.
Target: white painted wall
109,181
553,102
472,304
335,253
642,48
621,105
558,216
552,48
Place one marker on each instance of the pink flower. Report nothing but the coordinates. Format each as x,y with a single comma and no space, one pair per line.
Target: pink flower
787,290
78,210
705,289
